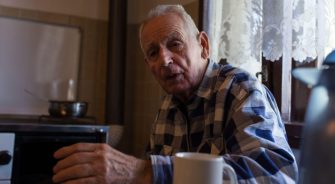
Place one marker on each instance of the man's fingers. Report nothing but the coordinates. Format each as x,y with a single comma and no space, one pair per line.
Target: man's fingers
78,147
75,159
73,172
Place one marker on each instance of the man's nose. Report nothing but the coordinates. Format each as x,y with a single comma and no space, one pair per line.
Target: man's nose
165,57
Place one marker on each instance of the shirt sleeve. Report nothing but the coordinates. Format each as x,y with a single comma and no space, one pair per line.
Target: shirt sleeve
256,142
162,169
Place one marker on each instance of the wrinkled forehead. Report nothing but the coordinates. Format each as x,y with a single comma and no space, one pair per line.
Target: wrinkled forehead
161,28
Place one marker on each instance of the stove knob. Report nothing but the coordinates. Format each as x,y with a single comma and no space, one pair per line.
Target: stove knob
5,157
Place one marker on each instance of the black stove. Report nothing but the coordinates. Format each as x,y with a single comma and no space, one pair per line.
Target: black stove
27,144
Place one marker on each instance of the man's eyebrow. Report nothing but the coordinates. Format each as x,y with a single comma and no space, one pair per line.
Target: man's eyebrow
150,46
170,36
174,34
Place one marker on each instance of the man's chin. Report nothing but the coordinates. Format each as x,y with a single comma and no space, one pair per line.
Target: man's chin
175,90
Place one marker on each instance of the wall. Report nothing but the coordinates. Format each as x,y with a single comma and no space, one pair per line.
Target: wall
33,56
95,9
94,29
143,94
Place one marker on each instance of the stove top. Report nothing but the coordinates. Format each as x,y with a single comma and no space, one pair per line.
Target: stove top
46,119
67,120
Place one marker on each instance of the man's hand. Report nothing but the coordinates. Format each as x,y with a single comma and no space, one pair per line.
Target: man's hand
98,163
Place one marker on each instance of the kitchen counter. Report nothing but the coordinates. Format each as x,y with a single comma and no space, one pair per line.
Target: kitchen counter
33,123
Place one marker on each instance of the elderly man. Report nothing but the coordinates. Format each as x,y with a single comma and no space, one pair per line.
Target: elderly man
210,108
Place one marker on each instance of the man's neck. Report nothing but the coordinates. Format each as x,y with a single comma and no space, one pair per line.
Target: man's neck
185,98
189,95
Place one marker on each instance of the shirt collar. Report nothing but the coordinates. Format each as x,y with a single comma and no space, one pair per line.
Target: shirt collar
204,90
207,84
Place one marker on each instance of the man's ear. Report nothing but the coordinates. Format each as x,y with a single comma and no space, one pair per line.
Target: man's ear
204,42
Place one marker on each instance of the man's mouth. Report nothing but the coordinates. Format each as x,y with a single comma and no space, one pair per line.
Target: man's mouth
174,76
172,73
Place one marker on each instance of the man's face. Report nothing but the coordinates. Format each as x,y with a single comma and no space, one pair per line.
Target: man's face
173,54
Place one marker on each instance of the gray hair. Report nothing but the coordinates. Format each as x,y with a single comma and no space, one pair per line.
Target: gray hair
166,9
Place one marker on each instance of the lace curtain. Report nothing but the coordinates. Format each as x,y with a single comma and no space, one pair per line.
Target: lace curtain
242,31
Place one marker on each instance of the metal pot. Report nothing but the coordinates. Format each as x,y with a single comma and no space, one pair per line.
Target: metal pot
67,108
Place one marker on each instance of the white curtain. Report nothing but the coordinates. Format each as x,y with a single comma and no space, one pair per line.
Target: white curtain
242,31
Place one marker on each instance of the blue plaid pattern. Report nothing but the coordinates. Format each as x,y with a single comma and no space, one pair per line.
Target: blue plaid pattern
231,114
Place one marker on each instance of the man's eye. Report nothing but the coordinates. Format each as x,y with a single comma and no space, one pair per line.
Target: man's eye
151,54
175,45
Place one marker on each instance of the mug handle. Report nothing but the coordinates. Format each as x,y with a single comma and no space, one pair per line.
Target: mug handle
231,173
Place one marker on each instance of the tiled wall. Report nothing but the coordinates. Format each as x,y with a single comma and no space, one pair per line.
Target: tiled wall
93,58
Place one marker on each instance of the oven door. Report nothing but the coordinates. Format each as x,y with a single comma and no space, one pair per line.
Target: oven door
34,160
6,156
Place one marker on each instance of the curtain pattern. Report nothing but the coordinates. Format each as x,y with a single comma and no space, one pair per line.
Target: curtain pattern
242,31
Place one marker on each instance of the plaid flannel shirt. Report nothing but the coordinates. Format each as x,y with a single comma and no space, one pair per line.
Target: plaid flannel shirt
231,114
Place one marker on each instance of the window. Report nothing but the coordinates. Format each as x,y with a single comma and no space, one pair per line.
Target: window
273,37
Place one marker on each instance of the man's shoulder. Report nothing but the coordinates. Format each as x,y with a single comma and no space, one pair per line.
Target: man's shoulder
234,79
238,75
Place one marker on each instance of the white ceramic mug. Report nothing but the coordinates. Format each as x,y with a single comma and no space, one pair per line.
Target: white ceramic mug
200,168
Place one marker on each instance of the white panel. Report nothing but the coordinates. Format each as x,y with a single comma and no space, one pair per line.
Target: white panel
4,182
40,58
97,9
6,143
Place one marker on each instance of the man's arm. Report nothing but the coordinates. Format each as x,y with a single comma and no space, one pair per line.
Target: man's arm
256,142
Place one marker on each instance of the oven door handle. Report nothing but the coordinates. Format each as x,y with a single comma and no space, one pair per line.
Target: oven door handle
5,157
